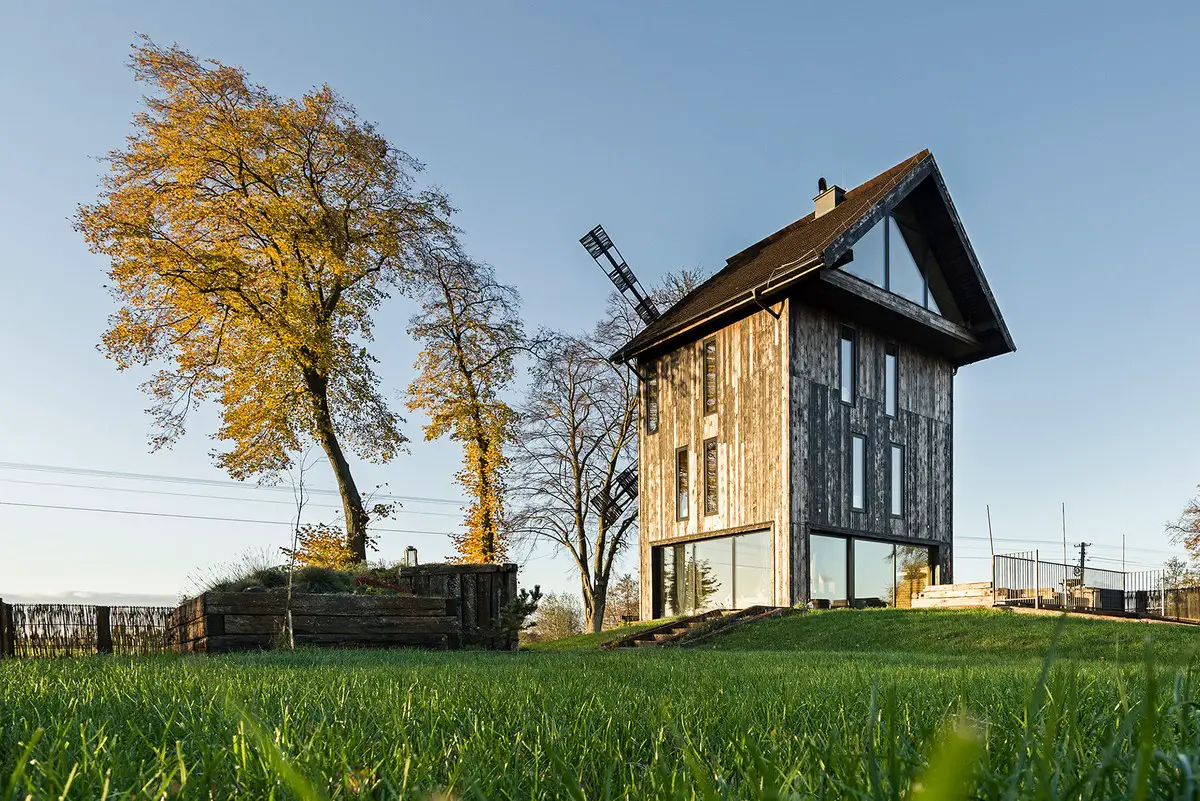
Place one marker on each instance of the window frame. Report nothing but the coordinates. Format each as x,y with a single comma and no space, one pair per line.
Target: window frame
682,484
856,437
848,334
711,477
891,386
902,497
651,383
709,379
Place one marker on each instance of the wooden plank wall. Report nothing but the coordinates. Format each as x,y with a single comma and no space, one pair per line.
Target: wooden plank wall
750,426
821,428
482,592
223,622
6,633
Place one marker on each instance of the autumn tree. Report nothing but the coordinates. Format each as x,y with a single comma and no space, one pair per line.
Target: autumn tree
251,238
470,330
577,433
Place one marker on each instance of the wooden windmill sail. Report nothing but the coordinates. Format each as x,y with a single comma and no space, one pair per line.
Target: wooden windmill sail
601,248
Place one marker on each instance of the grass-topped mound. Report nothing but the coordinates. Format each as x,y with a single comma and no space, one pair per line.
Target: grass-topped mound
257,571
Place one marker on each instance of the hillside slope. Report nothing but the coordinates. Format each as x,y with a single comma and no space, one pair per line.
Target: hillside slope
944,634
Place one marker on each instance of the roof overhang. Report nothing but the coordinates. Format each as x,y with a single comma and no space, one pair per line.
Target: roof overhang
977,332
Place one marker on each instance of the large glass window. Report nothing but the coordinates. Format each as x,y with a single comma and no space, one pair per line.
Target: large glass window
897,480
882,257
731,572
651,385
874,573
847,362
710,375
827,570
710,476
714,574
752,579
914,572
870,257
681,484
904,276
885,574
858,472
891,380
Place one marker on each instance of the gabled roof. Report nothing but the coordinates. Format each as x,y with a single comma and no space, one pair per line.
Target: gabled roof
814,242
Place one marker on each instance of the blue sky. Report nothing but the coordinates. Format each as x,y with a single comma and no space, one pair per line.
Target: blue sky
1068,140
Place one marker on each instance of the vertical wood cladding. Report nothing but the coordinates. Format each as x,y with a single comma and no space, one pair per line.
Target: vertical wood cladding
783,439
822,427
749,424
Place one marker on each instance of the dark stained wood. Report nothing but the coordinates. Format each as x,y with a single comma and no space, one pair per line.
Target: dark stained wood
822,426
337,624
104,641
276,603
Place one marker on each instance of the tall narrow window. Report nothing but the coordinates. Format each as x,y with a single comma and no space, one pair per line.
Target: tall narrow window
847,361
681,484
710,376
891,380
858,473
651,384
897,480
710,476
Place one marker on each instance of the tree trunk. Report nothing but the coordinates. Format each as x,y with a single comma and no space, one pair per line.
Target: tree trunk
488,535
594,607
352,504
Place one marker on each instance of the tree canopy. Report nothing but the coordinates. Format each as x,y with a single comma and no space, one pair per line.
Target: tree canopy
251,238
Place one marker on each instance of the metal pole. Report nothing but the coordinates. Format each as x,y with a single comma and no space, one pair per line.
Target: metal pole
991,542
1066,594
1036,580
1162,592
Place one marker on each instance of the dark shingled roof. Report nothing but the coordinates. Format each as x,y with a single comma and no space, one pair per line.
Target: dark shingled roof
798,243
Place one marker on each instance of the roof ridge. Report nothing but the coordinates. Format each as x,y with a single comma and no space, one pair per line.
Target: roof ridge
758,265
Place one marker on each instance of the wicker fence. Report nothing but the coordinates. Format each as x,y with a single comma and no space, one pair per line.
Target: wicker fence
52,630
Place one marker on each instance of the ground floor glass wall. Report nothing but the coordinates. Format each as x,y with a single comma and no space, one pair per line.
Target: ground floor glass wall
722,573
850,571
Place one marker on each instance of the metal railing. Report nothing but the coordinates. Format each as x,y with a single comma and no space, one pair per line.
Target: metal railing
1023,578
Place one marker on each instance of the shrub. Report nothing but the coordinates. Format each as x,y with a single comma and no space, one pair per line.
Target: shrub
321,545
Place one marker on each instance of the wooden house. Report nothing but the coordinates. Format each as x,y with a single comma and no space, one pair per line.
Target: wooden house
797,420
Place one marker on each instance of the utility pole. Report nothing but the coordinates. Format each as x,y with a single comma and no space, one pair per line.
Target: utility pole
1082,546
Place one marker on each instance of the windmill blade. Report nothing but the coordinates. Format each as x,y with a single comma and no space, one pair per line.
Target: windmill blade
602,249
625,492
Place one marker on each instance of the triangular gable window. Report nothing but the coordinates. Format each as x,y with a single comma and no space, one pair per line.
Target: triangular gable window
881,256
904,276
870,257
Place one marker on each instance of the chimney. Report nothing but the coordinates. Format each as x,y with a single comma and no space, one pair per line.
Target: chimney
827,197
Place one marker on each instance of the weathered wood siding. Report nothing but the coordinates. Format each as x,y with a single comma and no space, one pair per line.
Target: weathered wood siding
218,622
821,429
750,426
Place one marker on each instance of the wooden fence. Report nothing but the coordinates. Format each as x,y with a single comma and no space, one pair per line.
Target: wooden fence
51,630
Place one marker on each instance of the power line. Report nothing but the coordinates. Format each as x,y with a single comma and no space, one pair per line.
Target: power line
209,497
211,482
197,517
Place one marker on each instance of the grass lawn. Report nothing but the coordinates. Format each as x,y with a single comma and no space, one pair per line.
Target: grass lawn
829,705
